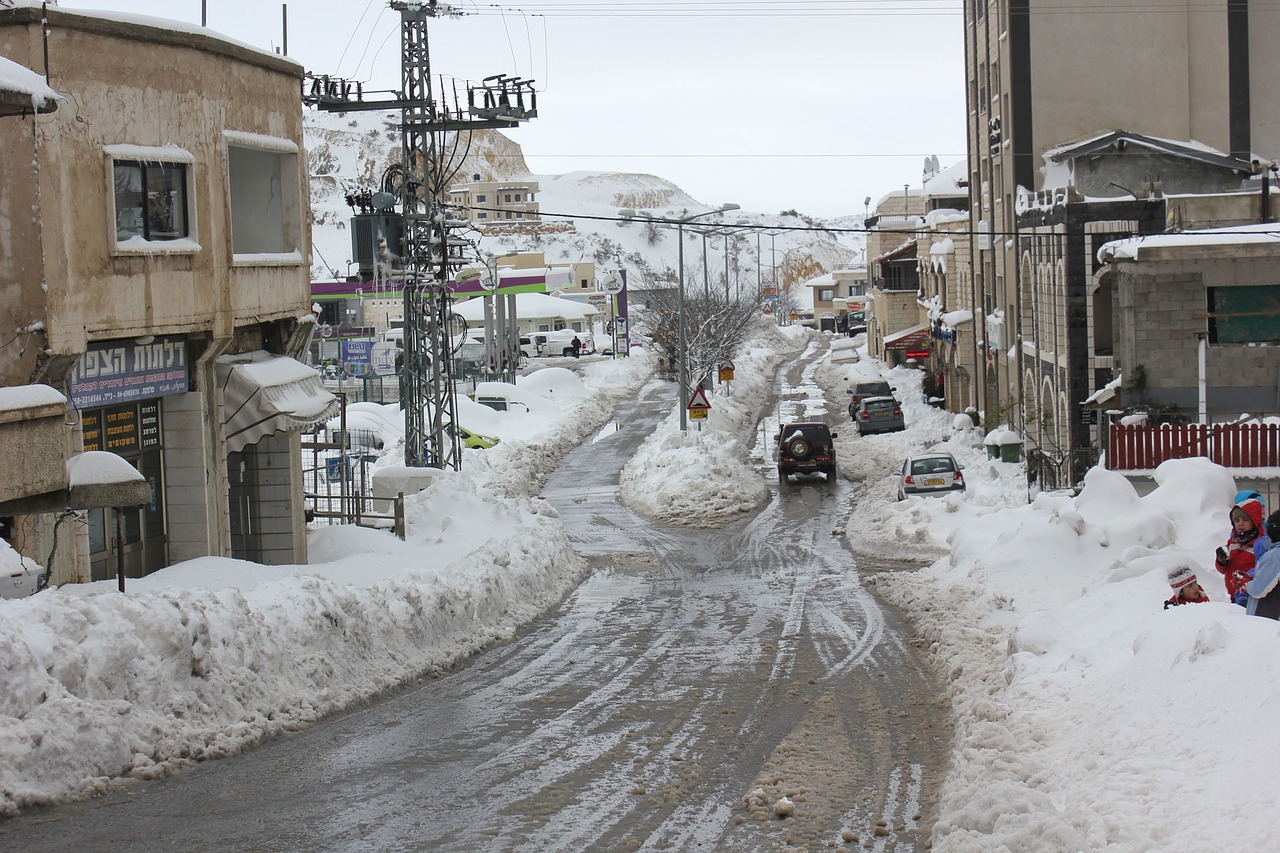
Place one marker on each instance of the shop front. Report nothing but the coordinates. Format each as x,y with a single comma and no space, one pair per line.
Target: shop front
118,389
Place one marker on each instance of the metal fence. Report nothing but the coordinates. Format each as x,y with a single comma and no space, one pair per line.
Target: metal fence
337,477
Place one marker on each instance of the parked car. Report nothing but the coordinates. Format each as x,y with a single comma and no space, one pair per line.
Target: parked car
806,448
878,414
471,439
930,473
21,581
867,388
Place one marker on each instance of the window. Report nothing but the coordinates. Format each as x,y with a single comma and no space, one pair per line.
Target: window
151,200
826,294
480,199
482,215
1244,314
266,201
508,197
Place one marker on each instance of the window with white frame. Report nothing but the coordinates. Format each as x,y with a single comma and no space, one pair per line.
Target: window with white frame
266,201
151,198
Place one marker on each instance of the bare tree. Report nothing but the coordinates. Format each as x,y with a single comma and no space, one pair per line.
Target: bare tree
715,327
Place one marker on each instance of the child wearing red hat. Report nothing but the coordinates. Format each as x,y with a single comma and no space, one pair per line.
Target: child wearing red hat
1186,588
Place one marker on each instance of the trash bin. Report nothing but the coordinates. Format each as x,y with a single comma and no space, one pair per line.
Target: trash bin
1011,452
993,451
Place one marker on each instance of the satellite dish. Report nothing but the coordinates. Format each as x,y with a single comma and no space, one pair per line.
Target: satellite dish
936,167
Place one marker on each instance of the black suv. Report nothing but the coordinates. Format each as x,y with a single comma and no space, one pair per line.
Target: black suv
806,448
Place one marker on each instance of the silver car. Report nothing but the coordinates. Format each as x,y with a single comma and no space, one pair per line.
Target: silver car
930,473
878,414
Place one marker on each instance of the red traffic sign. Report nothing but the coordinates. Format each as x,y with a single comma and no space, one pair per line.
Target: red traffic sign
698,400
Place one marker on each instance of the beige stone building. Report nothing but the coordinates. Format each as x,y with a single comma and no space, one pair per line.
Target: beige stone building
1165,287
493,203
1042,88
154,273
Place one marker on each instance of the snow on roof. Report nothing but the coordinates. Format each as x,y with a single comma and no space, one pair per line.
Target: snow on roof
100,467
947,182
530,306
15,397
166,24
1118,139
22,81
1132,248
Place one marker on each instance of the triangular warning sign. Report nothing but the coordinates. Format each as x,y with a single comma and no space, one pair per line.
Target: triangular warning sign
699,400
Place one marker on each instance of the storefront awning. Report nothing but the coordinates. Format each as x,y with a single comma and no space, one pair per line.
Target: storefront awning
916,337
263,394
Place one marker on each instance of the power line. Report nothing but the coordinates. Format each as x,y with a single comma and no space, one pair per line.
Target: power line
661,220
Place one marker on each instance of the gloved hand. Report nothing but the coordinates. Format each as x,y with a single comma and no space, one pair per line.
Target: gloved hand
1222,556
1241,598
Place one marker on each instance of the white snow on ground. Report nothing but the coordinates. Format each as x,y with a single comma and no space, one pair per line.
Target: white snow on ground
1086,717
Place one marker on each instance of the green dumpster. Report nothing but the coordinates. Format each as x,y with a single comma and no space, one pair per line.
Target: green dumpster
1011,452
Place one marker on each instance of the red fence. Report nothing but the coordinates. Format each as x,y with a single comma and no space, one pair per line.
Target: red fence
1230,445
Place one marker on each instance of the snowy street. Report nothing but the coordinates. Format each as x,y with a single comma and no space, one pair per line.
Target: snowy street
695,684
1082,714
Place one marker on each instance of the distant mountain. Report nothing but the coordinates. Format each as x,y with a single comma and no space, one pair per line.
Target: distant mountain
580,218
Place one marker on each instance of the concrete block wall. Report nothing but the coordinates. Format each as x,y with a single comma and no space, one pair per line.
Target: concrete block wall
279,509
186,478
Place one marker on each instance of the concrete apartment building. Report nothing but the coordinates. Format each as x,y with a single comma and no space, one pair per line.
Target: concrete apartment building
1042,87
154,277
493,203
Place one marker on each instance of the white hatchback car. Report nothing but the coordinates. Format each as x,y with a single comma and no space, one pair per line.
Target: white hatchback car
930,473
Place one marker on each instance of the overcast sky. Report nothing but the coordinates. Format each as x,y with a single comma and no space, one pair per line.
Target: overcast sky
773,104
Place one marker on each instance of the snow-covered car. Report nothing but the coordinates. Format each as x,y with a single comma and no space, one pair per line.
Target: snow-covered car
21,580
930,473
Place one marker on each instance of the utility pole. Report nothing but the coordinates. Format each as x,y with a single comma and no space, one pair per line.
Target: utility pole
430,233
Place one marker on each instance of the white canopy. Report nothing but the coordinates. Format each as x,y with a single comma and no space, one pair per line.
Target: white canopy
531,306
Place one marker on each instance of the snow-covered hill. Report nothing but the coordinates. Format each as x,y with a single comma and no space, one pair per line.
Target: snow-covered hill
580,217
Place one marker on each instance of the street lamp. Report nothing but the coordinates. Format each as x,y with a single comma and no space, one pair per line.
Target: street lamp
628,213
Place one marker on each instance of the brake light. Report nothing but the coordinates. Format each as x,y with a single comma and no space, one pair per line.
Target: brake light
897,410
907,479
959,479
863,414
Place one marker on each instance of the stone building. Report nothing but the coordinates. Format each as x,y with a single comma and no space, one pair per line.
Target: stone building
1042,84
154,273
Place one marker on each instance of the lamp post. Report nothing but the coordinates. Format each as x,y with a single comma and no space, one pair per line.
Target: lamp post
628,213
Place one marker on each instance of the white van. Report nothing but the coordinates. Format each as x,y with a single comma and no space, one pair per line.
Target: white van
560,342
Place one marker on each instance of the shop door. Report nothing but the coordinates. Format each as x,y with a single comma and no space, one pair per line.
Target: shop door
242,479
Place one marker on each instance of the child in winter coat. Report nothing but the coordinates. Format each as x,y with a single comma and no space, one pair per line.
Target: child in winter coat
1262,543
1236,560
1186,588
1264,589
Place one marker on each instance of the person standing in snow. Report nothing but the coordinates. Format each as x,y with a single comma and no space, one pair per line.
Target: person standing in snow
576,344
1264,589
1186,588
1236,560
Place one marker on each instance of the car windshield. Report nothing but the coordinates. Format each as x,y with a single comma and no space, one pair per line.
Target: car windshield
879,405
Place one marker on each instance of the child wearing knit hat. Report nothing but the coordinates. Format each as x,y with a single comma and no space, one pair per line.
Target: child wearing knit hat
1186,588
